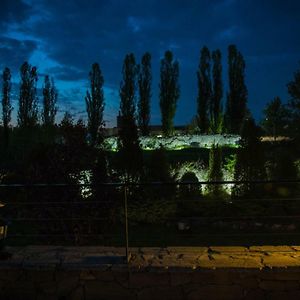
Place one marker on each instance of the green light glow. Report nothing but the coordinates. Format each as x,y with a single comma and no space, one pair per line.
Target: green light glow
179,142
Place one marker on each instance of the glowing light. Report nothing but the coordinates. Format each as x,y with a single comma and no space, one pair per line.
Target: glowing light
179,142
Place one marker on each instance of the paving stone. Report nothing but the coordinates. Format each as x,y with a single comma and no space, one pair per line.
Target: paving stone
180,278
271,248
277,285
285,274
194,250
66,281
254,294
215,292
229,261
166,293
280,260
95,290
148,279
231,249
87,275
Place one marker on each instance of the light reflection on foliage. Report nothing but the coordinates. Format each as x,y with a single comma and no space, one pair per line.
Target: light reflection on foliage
179,142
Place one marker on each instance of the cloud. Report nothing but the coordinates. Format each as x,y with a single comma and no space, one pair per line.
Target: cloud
134,24
15,11
229,34
66,73
14,52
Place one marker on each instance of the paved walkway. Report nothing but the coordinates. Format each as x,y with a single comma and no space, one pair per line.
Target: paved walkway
256,257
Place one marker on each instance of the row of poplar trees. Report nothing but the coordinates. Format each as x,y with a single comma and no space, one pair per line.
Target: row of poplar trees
28,115
137,80
211,117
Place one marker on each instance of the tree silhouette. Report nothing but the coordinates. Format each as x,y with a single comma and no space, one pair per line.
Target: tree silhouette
236,106
294,103
130,154
169,91
294,88
95,104
216,118
6,103
276,118
144,83
49,102
250,160
204,90
215,172
28,111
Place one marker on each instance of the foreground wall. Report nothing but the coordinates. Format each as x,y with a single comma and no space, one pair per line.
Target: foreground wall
170,284
187,273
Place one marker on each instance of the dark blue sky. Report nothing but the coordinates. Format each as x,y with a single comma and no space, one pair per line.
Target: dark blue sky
63,38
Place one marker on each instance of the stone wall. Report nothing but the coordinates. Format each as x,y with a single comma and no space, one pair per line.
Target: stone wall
187,273
95,284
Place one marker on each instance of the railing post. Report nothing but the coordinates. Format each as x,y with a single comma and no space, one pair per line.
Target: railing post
126,223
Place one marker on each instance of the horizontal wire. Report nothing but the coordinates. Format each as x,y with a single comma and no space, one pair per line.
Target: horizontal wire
154,183
185,234
83,202
179,218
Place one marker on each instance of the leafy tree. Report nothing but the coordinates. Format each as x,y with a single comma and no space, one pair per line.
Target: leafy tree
294,88
159,171
6,103
95,104
130,154
281,166
204,90
216,118
159,167
276,118
192,126
49,102
169,91
215,172
236,106
250,160
190,191
99,175
28,111
294,103
144,83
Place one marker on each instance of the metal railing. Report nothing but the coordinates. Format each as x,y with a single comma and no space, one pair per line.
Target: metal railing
31,209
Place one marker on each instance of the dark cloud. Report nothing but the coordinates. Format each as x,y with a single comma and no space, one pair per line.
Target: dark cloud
14,52
13,11
66,73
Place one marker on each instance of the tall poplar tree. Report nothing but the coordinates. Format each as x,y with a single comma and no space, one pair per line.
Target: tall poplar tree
144,83
130,153
169,92
216,118
6,103
28,110
49,102
236,106
95,104
204,90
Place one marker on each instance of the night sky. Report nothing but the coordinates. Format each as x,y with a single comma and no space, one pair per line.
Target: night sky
63,39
